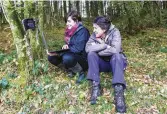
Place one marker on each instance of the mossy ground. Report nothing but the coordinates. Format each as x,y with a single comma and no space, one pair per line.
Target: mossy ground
52,91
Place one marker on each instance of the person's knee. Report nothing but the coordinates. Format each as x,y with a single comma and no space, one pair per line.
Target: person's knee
116,56
92,54
50,58
53,60
119,59
69,60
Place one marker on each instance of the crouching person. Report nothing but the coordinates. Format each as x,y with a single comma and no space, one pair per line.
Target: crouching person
74,60
105,55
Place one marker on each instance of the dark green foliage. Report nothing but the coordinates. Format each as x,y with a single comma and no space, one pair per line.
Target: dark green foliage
7,57
2,57
40,67
4,83
134,16
12,75
163,49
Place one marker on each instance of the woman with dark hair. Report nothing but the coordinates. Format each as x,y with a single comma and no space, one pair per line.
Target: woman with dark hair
74,59
105,55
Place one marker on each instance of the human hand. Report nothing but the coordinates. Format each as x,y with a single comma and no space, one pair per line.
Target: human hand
108,46
93,43
65,46
52,53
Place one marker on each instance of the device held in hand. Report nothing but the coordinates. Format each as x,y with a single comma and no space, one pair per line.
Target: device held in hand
58,52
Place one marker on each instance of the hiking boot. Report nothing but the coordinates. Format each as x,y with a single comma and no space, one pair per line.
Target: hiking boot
119,98
95,92
77,68
81,78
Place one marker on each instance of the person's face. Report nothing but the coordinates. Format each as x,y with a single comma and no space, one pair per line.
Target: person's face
70,23
98,31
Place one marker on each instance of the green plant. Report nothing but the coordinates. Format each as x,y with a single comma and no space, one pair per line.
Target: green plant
4,83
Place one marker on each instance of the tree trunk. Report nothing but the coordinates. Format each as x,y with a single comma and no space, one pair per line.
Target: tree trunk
101,8
164,4
29,42
130,22
18,35
0,18
65,9
55,8
110,11
118,10
69,6
60,10
78,6
92,8
40,48
47,13
34,36
95,9
88,10
159,12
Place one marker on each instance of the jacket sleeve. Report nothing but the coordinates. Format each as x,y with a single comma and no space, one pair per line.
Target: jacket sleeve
114,45
80,43
91,45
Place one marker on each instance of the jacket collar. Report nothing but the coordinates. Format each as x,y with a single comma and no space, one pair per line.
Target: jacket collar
109,32
80,26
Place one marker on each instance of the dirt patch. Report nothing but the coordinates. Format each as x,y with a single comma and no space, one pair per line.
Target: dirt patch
6,39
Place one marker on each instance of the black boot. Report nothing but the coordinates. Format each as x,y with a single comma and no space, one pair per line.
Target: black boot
95,92
74,70
119,98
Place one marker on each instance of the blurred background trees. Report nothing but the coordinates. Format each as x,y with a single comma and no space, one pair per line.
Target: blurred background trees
131,16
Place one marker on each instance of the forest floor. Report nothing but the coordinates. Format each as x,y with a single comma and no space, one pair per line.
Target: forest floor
52,91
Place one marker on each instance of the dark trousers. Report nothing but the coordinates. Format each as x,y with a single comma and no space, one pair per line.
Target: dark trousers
69,60
116,65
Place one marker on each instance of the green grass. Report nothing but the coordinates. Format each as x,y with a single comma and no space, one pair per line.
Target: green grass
53,91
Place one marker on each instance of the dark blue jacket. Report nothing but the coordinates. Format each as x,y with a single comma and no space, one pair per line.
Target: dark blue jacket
78,40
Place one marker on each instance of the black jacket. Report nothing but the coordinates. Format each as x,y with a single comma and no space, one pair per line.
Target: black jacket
78,40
